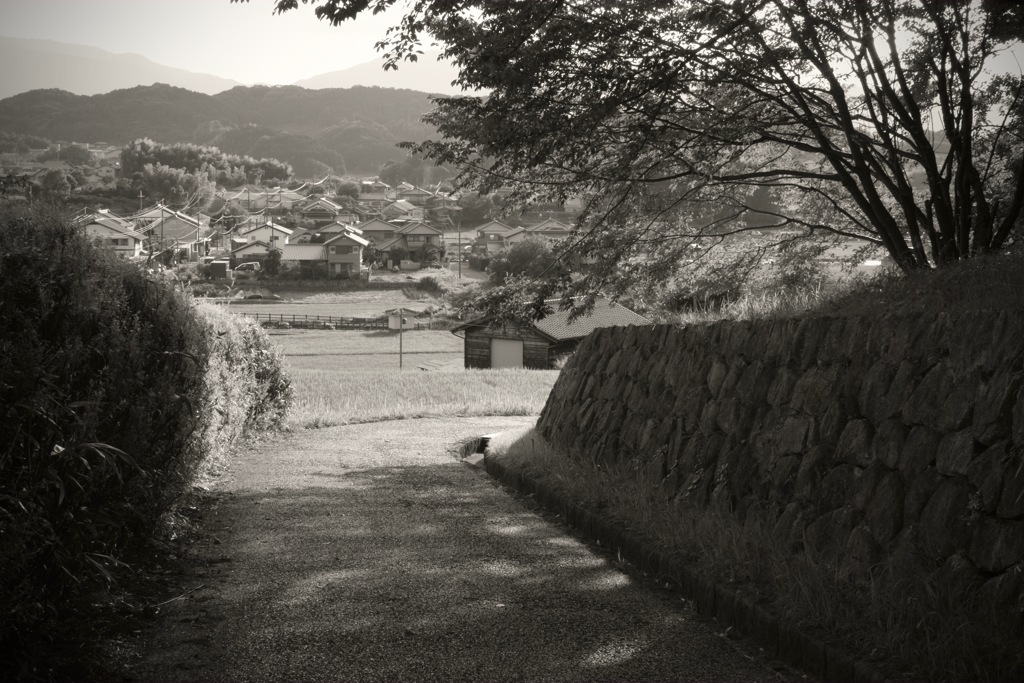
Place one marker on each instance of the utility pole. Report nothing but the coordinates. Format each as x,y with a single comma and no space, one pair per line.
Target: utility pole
401,329
460,247
140,200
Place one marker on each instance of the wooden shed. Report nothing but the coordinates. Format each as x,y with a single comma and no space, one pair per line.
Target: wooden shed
539,345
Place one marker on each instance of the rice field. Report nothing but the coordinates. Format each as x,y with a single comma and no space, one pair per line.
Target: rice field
346,377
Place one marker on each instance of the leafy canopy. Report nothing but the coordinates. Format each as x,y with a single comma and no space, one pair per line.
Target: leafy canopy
685,121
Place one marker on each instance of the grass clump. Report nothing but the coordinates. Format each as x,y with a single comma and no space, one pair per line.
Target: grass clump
115,390
924,630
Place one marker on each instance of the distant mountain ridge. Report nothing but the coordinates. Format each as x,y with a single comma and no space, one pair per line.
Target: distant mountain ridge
354,129
426,74
38,64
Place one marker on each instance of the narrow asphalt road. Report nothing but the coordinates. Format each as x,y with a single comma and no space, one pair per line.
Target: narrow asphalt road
369,553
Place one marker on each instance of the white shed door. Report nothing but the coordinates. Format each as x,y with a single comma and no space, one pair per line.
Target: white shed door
506,353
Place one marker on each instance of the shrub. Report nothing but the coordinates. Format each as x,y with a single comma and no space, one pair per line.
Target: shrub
114,389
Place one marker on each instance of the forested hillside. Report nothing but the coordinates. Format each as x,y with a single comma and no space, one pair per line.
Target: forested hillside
342,129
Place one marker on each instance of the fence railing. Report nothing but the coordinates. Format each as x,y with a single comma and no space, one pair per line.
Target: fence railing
328,322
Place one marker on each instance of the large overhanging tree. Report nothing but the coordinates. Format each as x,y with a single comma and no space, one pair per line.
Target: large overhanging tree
888,121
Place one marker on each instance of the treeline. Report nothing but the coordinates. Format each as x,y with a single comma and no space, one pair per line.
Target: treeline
229,170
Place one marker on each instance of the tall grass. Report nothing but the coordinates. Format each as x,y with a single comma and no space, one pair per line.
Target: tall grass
345,377
326,398
921,631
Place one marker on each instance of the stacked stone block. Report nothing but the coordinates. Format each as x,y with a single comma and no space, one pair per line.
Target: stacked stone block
895,440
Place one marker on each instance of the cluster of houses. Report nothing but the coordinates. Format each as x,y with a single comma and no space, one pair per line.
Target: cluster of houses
104,169
400,228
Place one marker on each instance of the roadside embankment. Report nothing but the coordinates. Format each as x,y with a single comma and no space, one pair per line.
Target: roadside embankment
886,450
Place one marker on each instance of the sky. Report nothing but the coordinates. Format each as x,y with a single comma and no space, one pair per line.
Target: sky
245,41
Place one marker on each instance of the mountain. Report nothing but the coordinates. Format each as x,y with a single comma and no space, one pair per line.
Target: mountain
36,64
427,74
354,129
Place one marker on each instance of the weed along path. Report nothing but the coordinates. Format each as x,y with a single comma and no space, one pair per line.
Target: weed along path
370,553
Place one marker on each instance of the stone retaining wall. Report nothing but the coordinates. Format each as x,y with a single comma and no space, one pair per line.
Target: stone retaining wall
868,440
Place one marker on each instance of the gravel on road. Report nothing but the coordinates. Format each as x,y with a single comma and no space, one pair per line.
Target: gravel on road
370,553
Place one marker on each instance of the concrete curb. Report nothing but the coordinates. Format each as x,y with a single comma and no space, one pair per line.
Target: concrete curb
781,639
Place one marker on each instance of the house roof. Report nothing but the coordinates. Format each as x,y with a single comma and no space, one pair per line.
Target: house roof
249,245
403,205
304,252
272,226
115,224
387,244
322,203
418,228
557,327
494,226
351,236
549,225
376,224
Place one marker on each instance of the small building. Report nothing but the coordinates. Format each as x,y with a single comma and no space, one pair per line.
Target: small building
251,251
539,345
114,232
491,237
345,253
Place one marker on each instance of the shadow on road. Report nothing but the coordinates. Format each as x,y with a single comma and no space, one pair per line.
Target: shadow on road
420,573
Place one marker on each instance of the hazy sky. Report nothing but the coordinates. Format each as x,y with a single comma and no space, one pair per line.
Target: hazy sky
246,42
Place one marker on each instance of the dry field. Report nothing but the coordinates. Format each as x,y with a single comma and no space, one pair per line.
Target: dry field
345,377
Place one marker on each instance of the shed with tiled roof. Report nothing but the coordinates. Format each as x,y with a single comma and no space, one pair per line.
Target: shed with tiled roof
539,345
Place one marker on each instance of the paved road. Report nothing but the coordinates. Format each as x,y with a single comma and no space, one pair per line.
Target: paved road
368,553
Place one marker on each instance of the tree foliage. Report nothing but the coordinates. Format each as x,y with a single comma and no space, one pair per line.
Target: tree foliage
890,122
177,187
531,258
227,169
79,155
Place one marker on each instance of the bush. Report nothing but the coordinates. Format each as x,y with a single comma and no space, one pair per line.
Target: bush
114,390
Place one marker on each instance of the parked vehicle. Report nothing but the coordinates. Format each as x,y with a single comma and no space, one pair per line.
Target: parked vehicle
248,267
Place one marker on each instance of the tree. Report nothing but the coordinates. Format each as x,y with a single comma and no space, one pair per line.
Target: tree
177,187
348,189
55,184
272,263
530,258
477,208
888,122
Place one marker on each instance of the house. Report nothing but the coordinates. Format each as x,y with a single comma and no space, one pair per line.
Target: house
271,233
403,210
308,257
344,253
540,344
393,243
188,235
413,195
549,229
113,231
251,251
279,198
320,211
491,236
377,230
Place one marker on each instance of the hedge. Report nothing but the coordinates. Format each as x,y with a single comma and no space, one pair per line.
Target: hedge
115,389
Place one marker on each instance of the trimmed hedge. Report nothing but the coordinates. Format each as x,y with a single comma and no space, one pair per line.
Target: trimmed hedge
114,390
